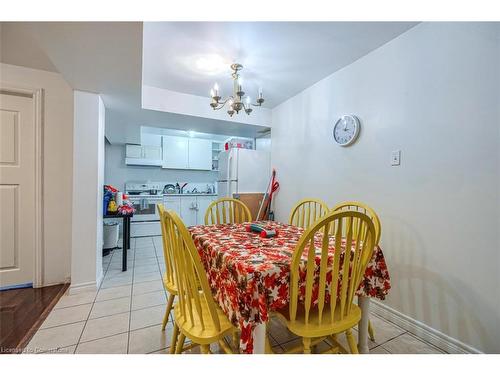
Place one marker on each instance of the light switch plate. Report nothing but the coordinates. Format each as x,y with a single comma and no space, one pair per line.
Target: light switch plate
396,158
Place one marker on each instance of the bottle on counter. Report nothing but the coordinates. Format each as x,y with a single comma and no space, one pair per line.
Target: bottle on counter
177,188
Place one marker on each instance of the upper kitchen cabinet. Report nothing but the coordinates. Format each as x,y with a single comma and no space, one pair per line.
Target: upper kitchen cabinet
200,154
143,155
175,152
133,151
187,153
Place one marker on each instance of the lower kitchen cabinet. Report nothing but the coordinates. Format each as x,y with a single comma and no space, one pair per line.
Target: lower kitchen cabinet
191,208
172,203
202,204
188,210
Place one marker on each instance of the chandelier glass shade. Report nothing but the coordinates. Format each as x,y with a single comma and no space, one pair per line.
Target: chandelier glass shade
237,101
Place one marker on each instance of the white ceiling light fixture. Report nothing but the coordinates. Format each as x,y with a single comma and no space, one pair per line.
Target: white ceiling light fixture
238,101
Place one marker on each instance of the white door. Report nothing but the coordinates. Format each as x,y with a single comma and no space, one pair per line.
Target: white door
133,151
254,171
172,203
175,152
151,152
17,190
151,140
200,154
227,189
188,210
202,204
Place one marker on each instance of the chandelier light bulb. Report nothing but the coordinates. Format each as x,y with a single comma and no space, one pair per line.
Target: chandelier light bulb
237,101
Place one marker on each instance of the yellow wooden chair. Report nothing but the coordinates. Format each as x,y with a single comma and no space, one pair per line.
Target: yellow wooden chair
307,211
361,207
196,315
227,211
168,277
339,314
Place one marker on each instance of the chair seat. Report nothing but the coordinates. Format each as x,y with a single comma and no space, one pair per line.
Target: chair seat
169,286
316,329
195,331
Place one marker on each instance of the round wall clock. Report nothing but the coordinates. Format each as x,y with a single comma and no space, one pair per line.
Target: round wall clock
346,130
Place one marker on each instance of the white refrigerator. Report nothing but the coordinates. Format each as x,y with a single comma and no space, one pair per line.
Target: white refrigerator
243,171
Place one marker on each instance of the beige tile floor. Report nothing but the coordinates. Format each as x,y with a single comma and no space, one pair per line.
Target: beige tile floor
125,315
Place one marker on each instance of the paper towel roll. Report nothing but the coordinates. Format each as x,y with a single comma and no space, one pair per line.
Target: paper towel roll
119,198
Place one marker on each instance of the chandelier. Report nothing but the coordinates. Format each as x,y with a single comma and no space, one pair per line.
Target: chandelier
238,101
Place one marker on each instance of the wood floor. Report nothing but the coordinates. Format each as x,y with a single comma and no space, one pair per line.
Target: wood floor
22,311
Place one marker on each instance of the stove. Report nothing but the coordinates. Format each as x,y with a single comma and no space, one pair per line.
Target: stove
145,197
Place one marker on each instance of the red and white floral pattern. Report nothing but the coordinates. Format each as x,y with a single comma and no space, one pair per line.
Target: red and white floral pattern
249,275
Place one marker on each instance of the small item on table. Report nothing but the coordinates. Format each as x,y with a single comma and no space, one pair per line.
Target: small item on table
263,232
115,202
112,207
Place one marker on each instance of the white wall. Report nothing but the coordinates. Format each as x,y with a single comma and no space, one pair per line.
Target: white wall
57,165
158,99
117,173
88,159
434,93
100,183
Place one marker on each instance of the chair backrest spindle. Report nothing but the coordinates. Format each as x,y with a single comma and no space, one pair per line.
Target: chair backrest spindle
350,235
307,211
227,211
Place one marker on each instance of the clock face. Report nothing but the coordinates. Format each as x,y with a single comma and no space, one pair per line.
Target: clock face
346,130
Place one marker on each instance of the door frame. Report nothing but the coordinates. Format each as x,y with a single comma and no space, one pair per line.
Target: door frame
37,94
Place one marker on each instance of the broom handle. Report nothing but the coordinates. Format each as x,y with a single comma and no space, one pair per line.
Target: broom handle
264,197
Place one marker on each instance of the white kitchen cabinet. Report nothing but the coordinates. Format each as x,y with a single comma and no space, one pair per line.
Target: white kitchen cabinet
133,151
202,203
143,155
200,154
152,152
151,139
175,152
188,210
172,203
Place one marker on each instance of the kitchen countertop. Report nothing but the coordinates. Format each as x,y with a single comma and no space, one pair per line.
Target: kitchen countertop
180,195
170,195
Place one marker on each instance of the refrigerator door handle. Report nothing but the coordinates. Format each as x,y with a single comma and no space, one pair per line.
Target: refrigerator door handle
229,160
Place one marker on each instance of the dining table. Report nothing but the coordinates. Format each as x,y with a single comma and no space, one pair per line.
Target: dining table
249,276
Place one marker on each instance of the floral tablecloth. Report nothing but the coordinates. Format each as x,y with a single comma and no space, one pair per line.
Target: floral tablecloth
249,275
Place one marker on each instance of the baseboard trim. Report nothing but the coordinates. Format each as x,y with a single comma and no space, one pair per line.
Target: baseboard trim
82,287
421,330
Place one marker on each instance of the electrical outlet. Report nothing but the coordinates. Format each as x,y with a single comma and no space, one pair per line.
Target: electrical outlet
396,158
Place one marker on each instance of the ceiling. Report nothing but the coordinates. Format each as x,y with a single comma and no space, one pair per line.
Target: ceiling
107,58
283,58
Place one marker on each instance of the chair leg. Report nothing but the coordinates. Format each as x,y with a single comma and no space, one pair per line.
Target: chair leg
306,341
352,343
175,334
167,312
205,349
371,331
180,344
236,341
